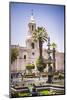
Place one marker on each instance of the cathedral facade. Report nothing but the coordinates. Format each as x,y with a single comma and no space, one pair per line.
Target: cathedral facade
30,53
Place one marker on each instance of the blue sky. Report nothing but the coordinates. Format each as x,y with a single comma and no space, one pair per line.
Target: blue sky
49,16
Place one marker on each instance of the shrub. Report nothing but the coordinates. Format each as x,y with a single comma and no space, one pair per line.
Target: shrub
44,92
40,65
23,94
30,66
14,54
56,73
14,95
60,76
55,77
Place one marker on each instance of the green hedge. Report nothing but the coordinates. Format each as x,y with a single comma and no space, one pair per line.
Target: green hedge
30,66
59,76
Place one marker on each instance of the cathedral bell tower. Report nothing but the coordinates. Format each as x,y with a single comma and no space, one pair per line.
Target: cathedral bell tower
31,45
31,30
32,24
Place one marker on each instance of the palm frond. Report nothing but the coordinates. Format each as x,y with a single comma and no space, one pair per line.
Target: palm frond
40,32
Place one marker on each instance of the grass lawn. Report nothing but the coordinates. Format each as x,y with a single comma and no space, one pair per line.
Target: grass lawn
23,94
41,92
44,92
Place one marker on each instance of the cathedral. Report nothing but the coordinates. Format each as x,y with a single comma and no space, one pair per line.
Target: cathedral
30,53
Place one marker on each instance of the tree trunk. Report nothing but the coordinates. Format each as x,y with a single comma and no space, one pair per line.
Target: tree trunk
54,67
40,48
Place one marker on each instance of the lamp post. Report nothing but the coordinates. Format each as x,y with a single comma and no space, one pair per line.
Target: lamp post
50,73
54,60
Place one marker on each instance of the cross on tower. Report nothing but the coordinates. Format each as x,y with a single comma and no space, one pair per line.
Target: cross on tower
32,12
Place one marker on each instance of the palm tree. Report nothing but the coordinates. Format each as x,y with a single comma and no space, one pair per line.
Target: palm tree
54,46
40,35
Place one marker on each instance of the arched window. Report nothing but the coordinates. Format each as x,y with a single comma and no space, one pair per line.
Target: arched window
32,44
33,53
24,56
32,27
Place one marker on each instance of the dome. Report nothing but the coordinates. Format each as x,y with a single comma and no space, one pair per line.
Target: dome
32,20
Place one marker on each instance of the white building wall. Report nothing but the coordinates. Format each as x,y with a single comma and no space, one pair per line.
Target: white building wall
20,63
60,61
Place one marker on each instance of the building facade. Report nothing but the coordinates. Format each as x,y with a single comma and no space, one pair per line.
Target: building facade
30,53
